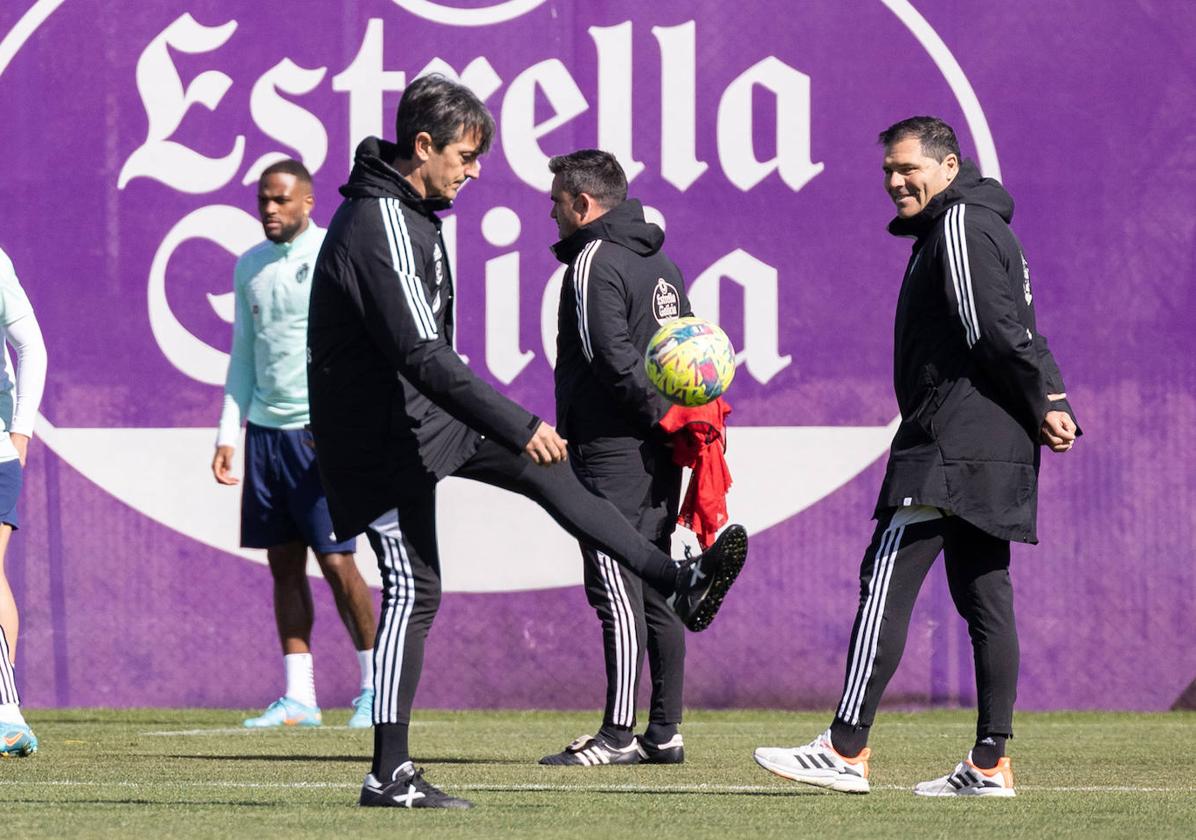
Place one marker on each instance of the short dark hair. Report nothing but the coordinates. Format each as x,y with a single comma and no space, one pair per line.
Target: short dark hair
593,172
289,166
937,138
445,109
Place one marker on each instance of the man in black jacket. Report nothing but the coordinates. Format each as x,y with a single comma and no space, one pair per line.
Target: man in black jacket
617,292
979,392
394,409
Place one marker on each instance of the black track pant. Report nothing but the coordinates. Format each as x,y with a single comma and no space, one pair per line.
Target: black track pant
640,479
903,549
405,541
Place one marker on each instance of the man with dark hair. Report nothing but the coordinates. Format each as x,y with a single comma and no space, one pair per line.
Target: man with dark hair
617,292
395,409
283,508
979,392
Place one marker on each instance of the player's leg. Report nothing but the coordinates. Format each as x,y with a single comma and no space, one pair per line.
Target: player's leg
615,595
293,618
698,588
9,617
903,548
356,608
404,540
661,743
16,738
309,510
266,522
978,575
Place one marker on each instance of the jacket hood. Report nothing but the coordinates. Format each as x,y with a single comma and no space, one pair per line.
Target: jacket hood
969,187
624,225
373,177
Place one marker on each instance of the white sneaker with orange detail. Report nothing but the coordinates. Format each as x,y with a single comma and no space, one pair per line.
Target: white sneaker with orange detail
818,764
969,780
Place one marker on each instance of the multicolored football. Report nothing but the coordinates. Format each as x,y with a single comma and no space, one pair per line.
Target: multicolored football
690,361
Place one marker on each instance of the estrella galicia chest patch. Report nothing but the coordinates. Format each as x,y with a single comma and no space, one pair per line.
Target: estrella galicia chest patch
302,273
666,303
1026,280
438,258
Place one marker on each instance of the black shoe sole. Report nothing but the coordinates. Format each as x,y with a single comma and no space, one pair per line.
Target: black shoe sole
734,548
673,756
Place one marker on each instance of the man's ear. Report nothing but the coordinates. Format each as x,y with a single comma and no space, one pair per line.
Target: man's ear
423,146
582,205
952,163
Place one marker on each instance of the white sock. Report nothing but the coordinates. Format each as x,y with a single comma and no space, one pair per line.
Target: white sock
301,678
365,658
11,713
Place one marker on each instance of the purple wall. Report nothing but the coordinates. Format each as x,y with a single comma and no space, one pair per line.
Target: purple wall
124,203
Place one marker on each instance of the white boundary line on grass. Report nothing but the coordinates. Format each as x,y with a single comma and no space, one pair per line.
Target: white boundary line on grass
544,788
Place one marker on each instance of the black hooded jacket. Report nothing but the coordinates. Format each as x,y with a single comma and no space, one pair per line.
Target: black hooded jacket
393,407
970,369
617,292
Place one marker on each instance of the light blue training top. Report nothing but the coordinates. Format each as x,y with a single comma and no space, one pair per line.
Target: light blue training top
267,369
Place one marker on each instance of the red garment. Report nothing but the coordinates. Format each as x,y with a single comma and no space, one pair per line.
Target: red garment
699,440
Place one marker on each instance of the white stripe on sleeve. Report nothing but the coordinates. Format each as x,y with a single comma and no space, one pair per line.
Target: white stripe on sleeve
402,258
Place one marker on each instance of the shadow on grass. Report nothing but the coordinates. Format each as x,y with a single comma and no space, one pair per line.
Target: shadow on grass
174,803
355,759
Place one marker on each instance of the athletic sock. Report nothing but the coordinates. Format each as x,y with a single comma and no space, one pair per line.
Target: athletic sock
988,751
301,678
660,733
390,750
619,737
365,660
11,713
848,740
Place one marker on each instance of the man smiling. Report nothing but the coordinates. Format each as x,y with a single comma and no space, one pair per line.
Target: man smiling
979,392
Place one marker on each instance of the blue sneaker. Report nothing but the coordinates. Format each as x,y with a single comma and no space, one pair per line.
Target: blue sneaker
363,710
17,739
286,712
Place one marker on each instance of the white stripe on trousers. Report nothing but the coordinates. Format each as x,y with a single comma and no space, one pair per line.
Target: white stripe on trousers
626,640
863,655
8,680
398,582
581,282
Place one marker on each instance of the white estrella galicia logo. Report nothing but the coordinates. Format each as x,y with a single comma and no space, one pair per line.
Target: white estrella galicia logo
666,303
438,256
301,274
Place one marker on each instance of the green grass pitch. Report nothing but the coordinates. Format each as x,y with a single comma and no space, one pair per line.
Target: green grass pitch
195,773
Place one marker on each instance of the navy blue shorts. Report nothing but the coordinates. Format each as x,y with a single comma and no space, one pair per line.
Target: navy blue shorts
283,500
10,490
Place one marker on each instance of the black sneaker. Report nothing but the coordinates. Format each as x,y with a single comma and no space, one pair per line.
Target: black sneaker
592,751
671,751
408,789
702,583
